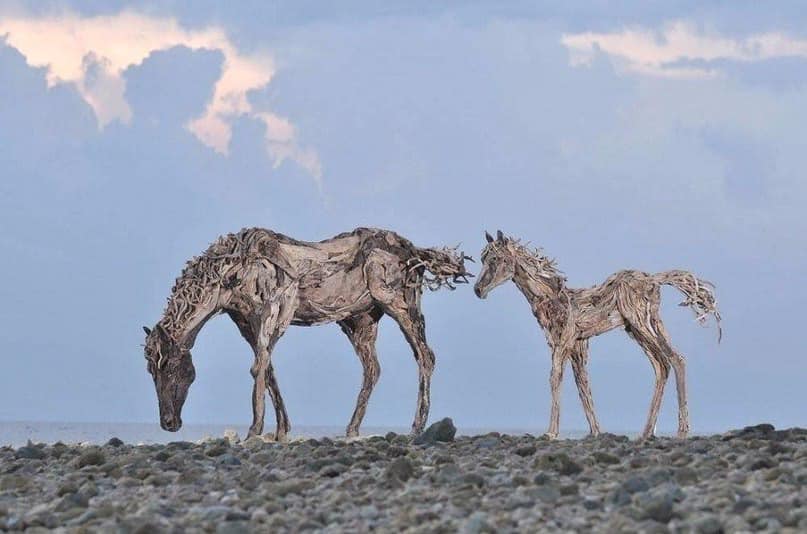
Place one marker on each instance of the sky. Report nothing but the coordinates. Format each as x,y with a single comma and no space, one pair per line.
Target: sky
652,136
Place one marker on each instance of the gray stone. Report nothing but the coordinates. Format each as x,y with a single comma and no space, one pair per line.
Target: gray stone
448,473
487,442
547,493
401,468
332,470
605,458
656,506
30,452
559,462
635,485
475,479
287,487
477,523
92,456
686,476
228,459
441,431
541,478
526,450
233,527
708,525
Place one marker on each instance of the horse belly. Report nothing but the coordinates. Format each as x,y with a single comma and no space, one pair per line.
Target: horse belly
334,298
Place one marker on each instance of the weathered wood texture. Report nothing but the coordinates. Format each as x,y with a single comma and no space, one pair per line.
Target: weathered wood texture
570,317
265,281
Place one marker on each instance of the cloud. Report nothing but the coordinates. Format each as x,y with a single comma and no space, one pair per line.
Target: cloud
93,53
679,50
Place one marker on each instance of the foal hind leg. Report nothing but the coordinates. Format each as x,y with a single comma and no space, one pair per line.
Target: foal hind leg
679,367
362,331
580,370
646,338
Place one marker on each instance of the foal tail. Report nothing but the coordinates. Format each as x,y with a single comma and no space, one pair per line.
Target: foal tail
700,295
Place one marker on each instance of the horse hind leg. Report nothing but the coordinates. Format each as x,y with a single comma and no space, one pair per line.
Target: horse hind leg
362,331
283,426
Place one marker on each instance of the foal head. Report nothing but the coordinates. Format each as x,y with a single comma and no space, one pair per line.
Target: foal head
498,264
501,257
172,369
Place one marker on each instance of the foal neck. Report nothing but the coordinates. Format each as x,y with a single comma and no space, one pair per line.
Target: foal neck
535,286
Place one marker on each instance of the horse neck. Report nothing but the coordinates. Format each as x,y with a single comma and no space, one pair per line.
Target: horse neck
185,316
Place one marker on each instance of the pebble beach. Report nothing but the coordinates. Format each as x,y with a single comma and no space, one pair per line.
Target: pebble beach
752,479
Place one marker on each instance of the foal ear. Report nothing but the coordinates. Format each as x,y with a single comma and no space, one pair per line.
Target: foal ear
147,330
499,235
488,237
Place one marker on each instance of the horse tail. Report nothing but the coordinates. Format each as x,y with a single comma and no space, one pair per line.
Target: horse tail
700,295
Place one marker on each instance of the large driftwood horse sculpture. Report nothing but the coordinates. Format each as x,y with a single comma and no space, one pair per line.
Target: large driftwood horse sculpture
570,317
266,281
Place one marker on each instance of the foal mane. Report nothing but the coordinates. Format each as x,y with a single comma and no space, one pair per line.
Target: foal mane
537,264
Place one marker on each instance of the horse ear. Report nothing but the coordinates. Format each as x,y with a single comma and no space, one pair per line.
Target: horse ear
499,235
160,330
488,237
147,330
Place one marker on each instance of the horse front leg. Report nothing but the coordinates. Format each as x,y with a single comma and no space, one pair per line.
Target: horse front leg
388,287
413,327
414,332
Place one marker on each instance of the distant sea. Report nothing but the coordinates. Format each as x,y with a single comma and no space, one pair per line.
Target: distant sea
16,433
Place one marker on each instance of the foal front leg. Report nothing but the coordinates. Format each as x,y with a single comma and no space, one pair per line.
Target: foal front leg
580,369
555,381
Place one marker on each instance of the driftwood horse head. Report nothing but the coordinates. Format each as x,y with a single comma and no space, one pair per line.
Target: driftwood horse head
570,317
265,281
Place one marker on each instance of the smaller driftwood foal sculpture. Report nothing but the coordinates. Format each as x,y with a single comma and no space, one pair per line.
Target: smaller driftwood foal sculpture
570,317
266,281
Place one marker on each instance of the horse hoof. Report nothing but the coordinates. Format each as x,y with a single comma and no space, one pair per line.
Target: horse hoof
551,436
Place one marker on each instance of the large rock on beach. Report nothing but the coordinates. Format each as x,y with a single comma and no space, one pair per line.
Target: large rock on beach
442,431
